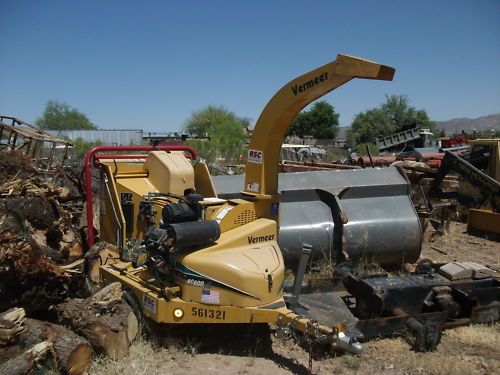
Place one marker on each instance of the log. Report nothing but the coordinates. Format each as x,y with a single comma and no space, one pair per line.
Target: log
72,353
75,251
73,265
104,319
24,362
98,255
11,324
9,352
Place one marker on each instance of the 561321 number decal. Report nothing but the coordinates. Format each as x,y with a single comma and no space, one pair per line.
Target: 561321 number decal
208,313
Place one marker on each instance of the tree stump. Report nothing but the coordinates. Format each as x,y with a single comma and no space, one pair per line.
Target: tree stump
98,255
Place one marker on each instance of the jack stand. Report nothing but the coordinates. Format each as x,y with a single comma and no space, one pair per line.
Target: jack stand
293,299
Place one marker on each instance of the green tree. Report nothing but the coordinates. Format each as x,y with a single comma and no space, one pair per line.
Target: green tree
395,115
361,149
60,116
226,132
369,125
321,121
80,148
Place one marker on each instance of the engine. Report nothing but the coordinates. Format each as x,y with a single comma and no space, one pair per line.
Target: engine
182,229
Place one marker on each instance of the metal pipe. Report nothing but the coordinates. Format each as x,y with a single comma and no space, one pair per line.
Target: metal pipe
130,175
119,234
65,154
51,157
14,141
370,156
89,159
120,156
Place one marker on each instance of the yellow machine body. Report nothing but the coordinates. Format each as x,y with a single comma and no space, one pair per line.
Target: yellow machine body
238,278
177,310
245,266
244,274
128,181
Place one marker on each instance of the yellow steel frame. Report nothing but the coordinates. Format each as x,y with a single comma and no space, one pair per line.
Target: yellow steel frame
161,306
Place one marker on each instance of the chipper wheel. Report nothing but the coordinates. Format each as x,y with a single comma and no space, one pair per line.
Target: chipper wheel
144,324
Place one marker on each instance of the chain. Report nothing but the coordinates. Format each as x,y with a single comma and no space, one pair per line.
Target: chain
310,356
310,336
311,340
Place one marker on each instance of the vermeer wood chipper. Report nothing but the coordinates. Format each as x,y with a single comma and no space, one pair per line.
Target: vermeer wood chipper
192,257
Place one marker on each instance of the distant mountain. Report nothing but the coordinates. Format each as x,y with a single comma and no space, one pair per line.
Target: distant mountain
456,125
483,123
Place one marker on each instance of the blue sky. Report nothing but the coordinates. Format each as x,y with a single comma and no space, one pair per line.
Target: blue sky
149,64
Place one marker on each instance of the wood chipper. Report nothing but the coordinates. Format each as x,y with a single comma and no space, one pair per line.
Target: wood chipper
189,256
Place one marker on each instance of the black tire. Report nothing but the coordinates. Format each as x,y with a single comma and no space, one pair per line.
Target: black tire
142,321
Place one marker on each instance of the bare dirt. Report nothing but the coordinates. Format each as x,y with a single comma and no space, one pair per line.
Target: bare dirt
229,350
459,246
464,350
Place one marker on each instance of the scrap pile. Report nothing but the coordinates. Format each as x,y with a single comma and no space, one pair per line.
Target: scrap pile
43,267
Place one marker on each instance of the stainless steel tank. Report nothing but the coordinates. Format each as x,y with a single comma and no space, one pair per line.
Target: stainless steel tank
365,216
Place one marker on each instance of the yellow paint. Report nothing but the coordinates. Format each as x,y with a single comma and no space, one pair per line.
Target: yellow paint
246,264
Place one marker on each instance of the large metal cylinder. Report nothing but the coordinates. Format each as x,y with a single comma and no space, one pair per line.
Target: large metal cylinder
365,216
305,219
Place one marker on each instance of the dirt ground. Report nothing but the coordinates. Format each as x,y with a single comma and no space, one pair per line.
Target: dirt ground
463,350
457,245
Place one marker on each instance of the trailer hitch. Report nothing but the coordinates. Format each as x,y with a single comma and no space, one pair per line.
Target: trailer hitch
307,331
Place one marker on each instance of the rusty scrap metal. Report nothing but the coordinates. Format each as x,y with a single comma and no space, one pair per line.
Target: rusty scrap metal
488,186
483,221
377,161
16,134
287,166
422,303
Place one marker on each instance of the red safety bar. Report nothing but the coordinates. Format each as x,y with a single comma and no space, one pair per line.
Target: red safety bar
90,158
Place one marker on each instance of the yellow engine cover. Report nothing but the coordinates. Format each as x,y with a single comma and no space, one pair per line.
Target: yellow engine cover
244,268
